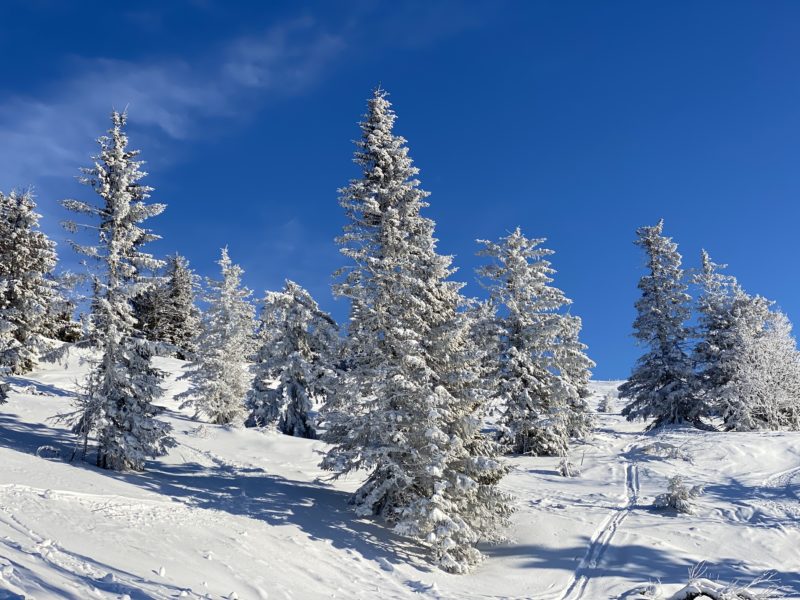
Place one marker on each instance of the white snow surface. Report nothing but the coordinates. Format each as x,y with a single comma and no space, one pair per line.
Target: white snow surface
245,513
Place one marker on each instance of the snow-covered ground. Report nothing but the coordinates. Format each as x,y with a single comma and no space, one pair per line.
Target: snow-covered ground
238,513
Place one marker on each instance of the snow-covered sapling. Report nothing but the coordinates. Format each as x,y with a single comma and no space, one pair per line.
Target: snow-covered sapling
568,469
679,496
699,587
606,404
666,450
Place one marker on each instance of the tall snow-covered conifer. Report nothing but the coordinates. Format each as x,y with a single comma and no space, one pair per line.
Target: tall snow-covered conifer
299,342
408,408
27,260
117,399
662,383
542,371
717,345
218,374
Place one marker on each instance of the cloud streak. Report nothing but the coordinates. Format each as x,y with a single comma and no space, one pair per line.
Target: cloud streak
52,134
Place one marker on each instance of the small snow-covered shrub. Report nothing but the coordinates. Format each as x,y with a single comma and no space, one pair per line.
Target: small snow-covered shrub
666,450
567,469
678,497
604,406
48,452
700,588
200,431
706,589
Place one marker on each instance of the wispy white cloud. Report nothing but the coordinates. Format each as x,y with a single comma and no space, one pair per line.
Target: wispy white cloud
50,134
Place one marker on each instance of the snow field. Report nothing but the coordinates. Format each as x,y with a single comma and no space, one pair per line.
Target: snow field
243,513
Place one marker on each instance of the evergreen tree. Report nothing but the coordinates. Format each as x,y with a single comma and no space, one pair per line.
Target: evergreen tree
299,342
575,371
409,407
662,383
486,333
762,387
167,312
715,353
147,306
748,366
61,323
180,317
542,370
117,398
27,259
218,374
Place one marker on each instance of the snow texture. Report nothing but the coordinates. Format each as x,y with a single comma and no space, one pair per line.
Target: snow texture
249,511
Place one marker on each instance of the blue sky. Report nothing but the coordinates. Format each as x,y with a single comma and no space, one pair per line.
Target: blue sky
576,121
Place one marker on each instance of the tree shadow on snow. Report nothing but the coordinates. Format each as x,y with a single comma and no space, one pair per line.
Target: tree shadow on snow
319,510
638,561
27,437
41,389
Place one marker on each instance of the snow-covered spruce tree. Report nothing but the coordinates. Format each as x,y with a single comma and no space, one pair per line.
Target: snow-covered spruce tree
117,398
218,374
147,306
746,357
716,346
542,370
27,260
662,383
575,371
763,387
61,323
167,312
180,317
299,342
408,408
486,334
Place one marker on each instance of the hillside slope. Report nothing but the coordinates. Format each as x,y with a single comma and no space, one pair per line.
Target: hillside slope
238,513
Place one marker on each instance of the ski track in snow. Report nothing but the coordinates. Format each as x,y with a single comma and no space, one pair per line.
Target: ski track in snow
90,579
603,536
785,483
784,479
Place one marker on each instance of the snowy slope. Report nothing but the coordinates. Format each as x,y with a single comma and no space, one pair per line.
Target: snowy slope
237,513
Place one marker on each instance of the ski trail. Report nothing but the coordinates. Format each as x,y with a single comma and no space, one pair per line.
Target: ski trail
779,493
783,479
602,538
